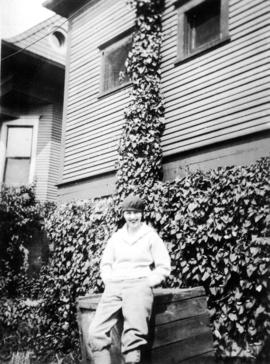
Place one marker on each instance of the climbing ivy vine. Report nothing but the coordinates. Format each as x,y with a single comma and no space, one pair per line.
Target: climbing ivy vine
140,154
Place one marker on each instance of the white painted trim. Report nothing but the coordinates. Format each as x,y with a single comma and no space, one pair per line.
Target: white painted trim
31,120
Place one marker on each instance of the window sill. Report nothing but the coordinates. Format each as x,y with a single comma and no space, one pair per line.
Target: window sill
113,90
202,50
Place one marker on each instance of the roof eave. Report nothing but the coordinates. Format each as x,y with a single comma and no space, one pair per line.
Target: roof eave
13,48
64,7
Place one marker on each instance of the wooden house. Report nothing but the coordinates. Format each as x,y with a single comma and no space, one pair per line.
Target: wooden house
215,83
31,102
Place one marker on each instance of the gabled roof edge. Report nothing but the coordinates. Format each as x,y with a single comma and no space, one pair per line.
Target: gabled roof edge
64,7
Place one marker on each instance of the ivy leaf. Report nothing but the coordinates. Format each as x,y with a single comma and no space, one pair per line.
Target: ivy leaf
240,328
232,316
205,276
259,311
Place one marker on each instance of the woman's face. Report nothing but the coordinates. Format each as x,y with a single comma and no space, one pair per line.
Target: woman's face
133,219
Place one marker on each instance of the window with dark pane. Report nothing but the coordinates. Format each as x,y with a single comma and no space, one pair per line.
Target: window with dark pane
114,58
203,23
18,155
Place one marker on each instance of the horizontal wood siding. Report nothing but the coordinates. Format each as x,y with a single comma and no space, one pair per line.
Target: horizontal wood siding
213,97
223,93
55,150
44,151
48,151
93,123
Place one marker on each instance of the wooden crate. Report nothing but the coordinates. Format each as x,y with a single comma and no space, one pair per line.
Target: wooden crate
179,328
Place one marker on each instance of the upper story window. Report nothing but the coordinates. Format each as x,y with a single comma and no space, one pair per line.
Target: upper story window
18,150
114,55
202,24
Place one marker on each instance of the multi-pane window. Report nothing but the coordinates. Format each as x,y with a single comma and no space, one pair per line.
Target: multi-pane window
114,56
202,24
18,142
18,155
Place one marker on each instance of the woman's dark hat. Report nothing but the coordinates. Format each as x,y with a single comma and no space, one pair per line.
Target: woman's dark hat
133,203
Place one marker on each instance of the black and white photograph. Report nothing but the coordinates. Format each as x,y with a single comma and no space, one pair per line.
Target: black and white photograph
135,182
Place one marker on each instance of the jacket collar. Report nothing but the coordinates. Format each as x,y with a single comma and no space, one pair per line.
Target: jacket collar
132,239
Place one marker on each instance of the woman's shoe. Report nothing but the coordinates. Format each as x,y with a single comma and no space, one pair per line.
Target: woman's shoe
133,357
102,357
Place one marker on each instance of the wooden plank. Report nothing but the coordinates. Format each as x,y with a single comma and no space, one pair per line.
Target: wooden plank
95,129
85,76
88,167
84,68
98,146
91,141
168,312
217,60
82,45
97,116
92,23
215,138
233,72
162,296
97,186
93,120
236,106
96,159
91,160
102,169
220,130
112,101
206,358
179,330
85,137
85,320
229,86
255,12
214,103
240,6
179,351
244,115
238,111
210,115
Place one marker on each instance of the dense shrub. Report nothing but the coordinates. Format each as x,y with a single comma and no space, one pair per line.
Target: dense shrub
78,231
19,219
21,226
216,226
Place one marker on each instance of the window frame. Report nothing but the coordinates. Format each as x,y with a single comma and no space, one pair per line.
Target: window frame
105,48
25,121
185,6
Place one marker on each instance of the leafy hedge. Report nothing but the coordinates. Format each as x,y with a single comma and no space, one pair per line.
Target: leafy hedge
78,233
216,226
20,217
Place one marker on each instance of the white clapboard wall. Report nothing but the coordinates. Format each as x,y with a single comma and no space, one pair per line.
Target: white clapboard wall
214,97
